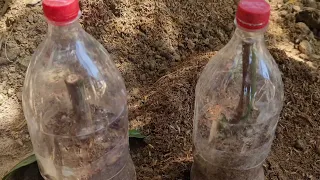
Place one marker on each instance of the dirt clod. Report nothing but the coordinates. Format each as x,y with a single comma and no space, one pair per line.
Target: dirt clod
305,47
302,27
296,8
299,145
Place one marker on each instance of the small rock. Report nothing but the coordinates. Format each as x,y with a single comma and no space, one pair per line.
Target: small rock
305,47
279,6
297,41
11,91
302,27
32,2
158,57
229,10
296,8
299,145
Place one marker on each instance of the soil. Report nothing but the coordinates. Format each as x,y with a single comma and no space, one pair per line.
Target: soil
160,47
203,170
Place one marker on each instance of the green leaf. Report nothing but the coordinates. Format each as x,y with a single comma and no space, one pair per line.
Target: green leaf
27,161
136,134
31,159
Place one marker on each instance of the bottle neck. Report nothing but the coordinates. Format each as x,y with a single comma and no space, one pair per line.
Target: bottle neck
65,31
249,36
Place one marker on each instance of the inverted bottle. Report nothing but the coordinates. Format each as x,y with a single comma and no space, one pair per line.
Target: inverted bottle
74,100
239,97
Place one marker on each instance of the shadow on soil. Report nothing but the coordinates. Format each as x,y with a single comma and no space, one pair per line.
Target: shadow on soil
30,172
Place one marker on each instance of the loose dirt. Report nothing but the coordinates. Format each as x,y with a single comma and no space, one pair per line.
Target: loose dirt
160,47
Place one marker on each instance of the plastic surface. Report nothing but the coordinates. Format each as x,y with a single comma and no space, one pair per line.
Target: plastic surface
74,101
253,14
61,11
239,97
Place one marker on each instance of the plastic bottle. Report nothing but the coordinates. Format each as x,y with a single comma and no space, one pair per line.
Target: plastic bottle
74,100
239,97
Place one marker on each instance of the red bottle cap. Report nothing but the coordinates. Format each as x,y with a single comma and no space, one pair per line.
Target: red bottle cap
253,14
61,11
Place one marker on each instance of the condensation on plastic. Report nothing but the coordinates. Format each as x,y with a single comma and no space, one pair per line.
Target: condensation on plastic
97,147
222,145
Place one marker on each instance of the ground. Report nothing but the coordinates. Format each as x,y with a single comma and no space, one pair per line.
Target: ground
160,47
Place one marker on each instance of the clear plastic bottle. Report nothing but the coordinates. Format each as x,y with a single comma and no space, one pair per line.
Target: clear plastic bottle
239,97
74,100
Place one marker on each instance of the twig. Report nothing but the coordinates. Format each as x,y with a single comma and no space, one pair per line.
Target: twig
245,66
253,74
75,86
